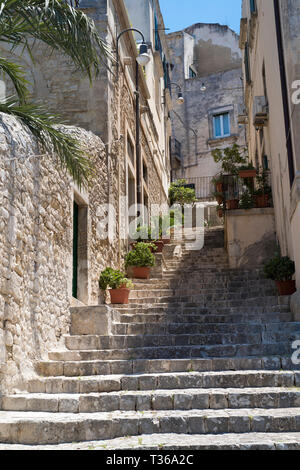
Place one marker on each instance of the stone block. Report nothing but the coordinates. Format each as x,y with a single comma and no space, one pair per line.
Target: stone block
94,320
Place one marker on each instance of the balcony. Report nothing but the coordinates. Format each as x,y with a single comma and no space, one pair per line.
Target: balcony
203,186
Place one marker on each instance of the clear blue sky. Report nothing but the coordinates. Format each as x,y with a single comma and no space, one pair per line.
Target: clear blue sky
178,14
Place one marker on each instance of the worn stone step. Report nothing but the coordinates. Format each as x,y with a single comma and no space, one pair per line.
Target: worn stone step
163,380
186,352
194,309
53,428
203,300
165,319
183,328
142,400
175,337
164,442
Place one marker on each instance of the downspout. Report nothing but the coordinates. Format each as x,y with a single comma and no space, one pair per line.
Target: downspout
138,145
285,96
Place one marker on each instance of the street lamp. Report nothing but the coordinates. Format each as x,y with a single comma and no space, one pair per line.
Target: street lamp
142,59
180,98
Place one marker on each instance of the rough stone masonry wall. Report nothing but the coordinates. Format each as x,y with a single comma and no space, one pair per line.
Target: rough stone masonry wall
36,200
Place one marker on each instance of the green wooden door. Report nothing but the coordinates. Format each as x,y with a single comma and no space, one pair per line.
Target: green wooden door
75,251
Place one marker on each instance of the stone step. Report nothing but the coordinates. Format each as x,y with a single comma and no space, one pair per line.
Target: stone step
203,300
164,380
53,428
146,400
175,337
185,328
162,320
177,442
194,309
170,352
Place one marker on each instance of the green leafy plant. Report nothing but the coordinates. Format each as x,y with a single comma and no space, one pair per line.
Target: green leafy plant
140,256
279,268
263,186
114,279
246,201
62,28
179,194
231,158
246,167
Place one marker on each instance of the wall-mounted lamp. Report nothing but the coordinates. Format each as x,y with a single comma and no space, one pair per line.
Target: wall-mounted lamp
143,57
180,98
203,87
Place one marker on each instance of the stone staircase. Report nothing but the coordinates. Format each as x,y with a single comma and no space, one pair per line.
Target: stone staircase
199,359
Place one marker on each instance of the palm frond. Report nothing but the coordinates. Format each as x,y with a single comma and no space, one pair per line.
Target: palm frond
58,25
45,127
16,74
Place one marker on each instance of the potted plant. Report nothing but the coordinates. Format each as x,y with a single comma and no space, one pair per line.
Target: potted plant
281,270
143,234
218,196
263,192
141,259
231,158
247,171
232,204
246,201
218,182
119,285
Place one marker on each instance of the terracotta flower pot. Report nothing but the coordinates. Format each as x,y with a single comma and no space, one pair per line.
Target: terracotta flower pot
141,272
219,187
220,213
166,241
261,201
159,244
219,200
119,296
247,173
286,287
232,204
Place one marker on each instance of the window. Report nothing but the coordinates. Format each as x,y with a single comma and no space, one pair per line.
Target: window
253,7
247,63
130,150
221,124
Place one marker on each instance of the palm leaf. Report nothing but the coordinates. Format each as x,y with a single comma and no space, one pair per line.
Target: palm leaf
45,127
16,74
58,25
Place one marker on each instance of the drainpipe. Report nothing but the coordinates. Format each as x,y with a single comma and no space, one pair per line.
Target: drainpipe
285,96
138,145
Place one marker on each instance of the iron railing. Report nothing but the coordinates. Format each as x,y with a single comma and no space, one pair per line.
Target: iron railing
204,187
233,188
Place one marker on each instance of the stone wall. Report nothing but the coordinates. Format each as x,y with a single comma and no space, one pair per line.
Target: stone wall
250,237
36,227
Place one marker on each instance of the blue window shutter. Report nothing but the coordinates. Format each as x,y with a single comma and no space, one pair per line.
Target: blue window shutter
226,125
217,126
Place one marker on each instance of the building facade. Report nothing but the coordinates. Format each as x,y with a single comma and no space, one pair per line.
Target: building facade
53,240
207,66
270,41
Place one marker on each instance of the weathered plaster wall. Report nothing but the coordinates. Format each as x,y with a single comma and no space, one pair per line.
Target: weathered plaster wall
36,227
213,52
250,237
216,48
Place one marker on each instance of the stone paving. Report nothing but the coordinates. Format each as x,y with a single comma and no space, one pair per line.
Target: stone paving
202,350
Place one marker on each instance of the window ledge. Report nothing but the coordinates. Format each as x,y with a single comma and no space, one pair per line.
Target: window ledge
220,140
